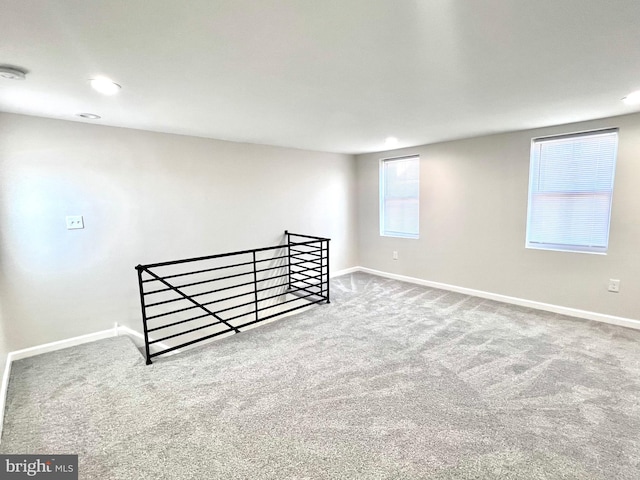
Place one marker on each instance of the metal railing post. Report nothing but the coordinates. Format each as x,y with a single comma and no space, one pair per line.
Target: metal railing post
255,284
328,300
286,232
139,268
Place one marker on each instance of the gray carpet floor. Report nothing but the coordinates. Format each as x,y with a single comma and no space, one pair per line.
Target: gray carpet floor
389,381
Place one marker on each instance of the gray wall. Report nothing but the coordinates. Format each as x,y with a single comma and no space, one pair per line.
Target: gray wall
145,197
473,220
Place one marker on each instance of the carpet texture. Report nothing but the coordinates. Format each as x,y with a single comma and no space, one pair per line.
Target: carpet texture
389,381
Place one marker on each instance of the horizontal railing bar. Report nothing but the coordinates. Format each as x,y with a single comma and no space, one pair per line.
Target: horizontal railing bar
192,307
178,323
200,294
310,252
308,236
313,265
164,302
319,276
222,289
299,256
201,271
312,245
309,271
279,267
320,294
216,279
314,261
151,317
318,246
308,274
303,284
186,344
217,268
211,257
223,255
318,269
188,331
319,284
229,298
307,278
299,259
311,288
200,282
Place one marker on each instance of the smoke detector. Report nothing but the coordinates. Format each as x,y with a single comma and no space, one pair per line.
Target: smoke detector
11,73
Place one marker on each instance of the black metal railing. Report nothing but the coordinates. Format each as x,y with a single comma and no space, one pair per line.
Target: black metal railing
180,307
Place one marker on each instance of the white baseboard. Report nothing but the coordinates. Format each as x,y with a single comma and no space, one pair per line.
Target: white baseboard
60,344
117,330
345,271
3,392
39,349
571,312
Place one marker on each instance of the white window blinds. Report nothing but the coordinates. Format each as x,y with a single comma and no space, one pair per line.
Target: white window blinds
400,197
570,191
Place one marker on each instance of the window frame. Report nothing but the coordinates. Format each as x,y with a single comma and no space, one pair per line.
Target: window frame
562,247
383,199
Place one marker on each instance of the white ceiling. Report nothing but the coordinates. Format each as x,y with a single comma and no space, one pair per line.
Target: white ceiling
330,75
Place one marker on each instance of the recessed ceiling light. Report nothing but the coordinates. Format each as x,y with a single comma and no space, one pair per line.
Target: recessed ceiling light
12,73
105,85
390,142
633,98
89,116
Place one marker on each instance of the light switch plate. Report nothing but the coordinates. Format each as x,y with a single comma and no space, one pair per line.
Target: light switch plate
614,285
74,222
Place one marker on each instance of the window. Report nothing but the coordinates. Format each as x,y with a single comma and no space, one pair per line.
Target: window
570,191
400,197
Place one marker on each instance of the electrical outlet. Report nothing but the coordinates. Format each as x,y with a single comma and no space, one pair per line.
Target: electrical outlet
75,222
614,285
395,255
